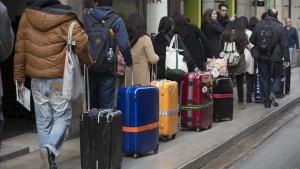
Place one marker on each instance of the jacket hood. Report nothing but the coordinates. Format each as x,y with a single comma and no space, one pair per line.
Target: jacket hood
47,18
101,13
269,18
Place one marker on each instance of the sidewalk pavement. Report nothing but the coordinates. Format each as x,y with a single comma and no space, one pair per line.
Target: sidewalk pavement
189,149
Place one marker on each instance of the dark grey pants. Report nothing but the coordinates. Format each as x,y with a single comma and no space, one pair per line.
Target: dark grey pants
1,120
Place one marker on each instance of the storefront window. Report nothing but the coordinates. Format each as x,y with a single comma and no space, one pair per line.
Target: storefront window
125,7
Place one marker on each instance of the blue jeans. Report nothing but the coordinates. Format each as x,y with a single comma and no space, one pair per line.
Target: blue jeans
270,70
53,112
102,90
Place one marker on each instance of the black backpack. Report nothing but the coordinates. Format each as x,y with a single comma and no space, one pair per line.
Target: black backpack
265,42
101,43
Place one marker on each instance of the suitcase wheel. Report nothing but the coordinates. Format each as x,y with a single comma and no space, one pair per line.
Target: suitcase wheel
165,139
209,127
198,129
135,155
173,136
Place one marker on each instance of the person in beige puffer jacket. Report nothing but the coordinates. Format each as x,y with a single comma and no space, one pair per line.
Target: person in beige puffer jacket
40,53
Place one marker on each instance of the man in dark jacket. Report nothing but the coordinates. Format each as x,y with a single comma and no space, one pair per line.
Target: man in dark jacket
293,42
102,86
270,63
6,46
223,17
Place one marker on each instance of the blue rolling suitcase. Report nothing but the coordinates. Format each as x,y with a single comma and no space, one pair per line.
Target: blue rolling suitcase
140,108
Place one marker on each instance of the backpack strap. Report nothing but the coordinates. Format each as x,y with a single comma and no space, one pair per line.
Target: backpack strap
109,21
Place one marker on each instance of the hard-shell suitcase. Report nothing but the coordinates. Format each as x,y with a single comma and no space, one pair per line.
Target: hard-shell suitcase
140,108
168,108
197,103
258,90
100,135
101,139
223,98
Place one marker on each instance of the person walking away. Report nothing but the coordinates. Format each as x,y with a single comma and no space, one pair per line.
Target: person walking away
6,46
250,69
40,53
213,30
293,42
223,17
235,32
270,38
194,40
142,51
102,81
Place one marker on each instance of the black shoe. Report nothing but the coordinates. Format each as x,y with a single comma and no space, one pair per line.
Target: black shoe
274,101
51,159
287,93
267,106
280,96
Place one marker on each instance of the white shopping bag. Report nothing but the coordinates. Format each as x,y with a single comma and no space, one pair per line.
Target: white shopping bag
72,80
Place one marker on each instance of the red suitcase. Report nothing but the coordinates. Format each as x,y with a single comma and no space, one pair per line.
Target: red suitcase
197,104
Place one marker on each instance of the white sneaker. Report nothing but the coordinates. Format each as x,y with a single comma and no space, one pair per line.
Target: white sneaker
44,158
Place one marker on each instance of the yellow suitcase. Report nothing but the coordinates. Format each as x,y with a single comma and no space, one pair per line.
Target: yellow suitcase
168,108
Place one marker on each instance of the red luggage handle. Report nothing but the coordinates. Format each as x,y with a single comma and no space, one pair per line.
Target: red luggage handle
222,96
140,128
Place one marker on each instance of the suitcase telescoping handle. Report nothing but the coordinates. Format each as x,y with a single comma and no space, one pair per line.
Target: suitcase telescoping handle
153,72
126,74
86,88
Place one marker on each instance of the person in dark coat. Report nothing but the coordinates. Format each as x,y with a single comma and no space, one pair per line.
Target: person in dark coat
223,17
270,64
212,29
235,32
6,46
162,40
252,23
194,39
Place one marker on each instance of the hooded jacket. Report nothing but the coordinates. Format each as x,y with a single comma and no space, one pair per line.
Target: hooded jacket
42,43
118,27
279,38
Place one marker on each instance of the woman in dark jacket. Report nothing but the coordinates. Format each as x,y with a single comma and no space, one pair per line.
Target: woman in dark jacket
212,29
194,39
235,32
162,40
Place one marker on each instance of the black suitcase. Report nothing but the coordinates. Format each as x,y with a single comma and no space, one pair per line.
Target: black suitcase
101,139
100,134
258,89
223,99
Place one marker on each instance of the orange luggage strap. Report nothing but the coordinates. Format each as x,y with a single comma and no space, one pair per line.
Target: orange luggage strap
140,128
222,96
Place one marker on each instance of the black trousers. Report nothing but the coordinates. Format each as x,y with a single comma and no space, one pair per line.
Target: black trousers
250,79
288,79
240,87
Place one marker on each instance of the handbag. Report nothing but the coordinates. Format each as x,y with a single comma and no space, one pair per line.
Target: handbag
176,66
230,52
72,80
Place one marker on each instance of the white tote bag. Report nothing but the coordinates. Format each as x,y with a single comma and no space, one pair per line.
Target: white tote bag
173,56
72,80
175,64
